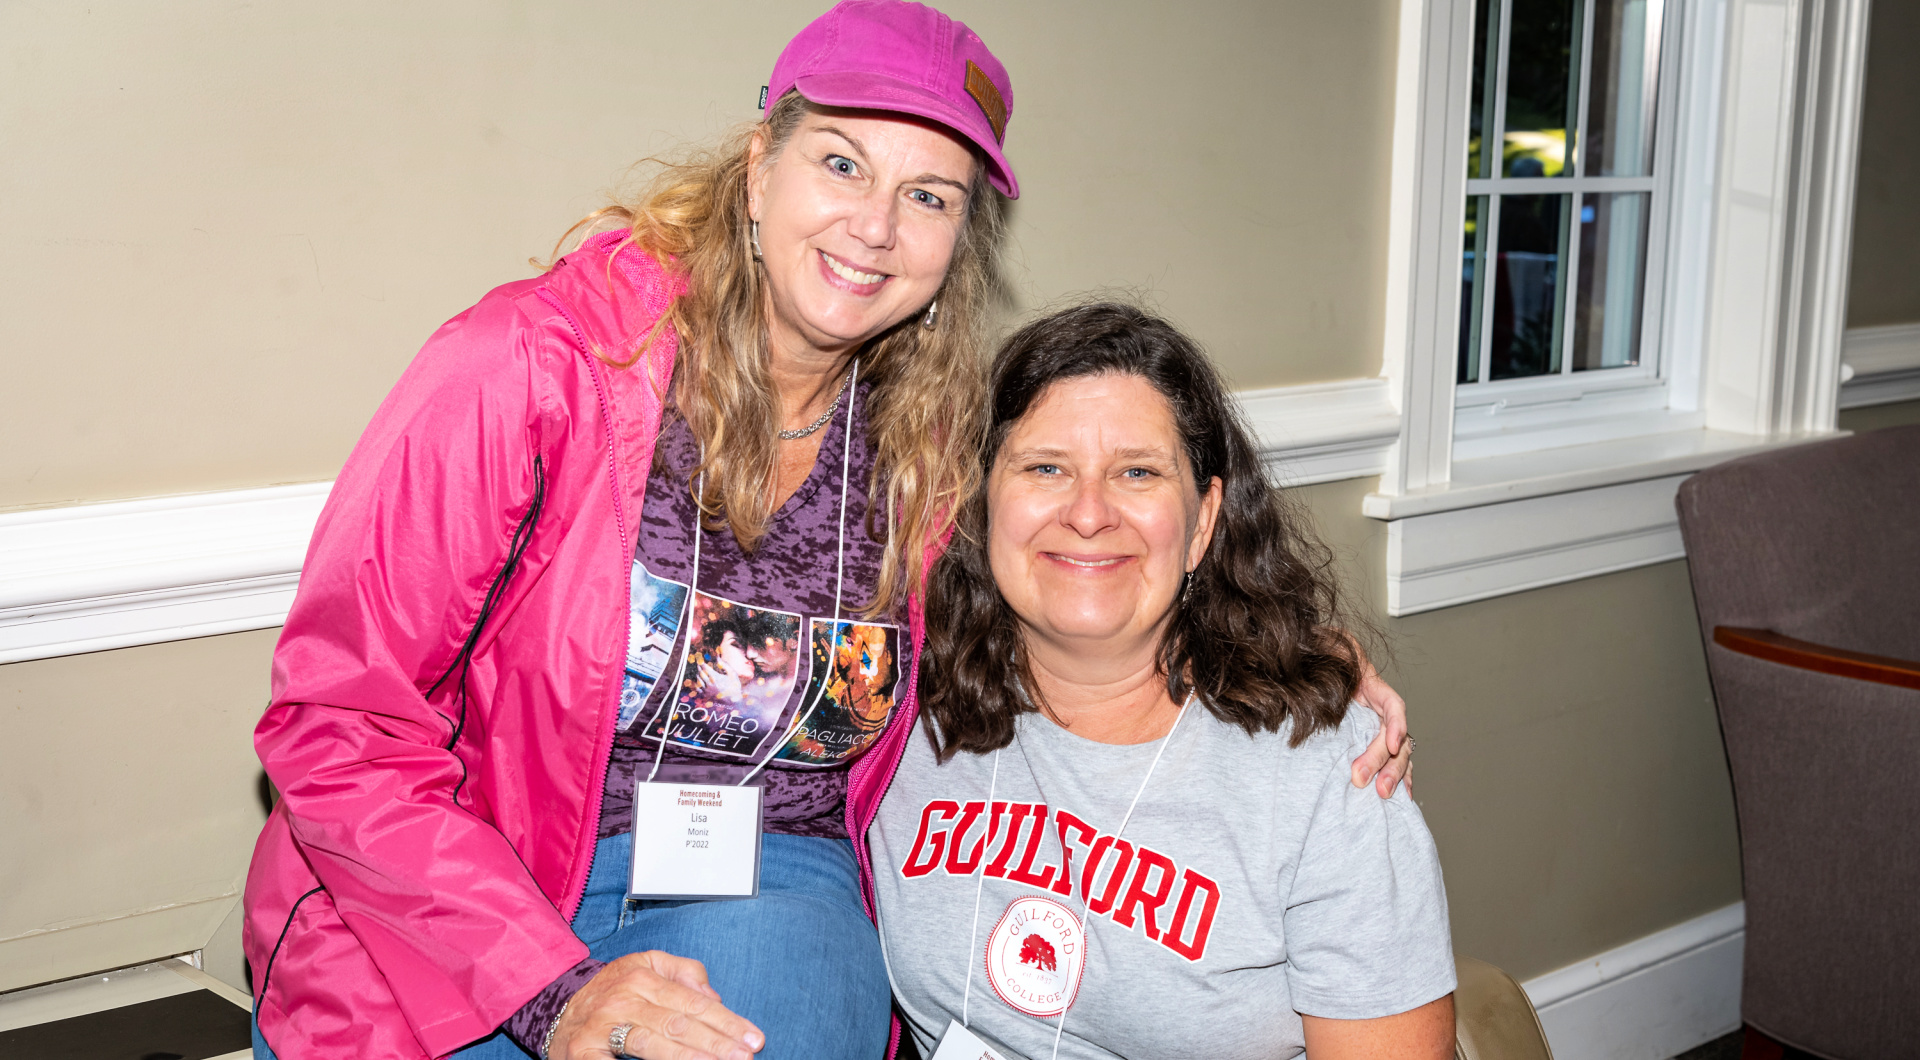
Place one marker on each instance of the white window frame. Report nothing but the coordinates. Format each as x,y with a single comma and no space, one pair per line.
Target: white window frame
1760,150
1497,417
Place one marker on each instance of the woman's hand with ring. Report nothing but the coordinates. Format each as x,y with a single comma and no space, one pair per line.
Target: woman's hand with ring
672,1013
1389,758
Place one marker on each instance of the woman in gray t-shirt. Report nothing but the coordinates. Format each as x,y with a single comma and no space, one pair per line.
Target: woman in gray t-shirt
1131,830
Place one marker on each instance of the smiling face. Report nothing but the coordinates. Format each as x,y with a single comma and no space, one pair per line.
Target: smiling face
1093,516
859,215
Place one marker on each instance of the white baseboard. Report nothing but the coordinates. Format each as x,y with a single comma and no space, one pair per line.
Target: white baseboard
120,988
1882,365
1651,999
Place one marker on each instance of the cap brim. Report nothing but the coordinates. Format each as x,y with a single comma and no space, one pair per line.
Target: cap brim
877,92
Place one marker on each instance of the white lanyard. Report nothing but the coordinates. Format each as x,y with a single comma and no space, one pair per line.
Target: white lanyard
1086,919
702,840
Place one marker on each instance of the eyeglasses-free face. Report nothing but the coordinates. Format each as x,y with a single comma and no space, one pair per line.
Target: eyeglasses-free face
858,217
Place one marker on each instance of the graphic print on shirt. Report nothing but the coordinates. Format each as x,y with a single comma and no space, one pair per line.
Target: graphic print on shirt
1133,887
654,606
1035,955
859,664
742,664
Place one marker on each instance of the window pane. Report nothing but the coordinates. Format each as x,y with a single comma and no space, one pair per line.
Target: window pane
1620,102
1613,268
1486,56
1526,291
1471,292
1543,71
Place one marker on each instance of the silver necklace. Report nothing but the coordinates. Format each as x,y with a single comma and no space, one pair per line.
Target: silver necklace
788,436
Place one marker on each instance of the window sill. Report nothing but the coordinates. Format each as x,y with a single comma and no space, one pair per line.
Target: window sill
1529,423
1545,472
1506,524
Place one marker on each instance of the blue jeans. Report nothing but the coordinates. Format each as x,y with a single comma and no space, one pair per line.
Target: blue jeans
802,961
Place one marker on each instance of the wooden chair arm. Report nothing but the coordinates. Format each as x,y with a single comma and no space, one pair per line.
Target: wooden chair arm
1819,658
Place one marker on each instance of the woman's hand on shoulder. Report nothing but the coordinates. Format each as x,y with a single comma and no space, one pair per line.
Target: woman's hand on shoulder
674,1013
1424,1033
1388,760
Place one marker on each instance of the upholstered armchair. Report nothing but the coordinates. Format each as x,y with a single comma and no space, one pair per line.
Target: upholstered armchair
1806,574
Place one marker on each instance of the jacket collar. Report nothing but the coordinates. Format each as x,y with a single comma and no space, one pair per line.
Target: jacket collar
613,292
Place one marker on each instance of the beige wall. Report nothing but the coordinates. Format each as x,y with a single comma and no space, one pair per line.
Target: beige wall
1886,227
1570,762
1877,416
229,226
129,801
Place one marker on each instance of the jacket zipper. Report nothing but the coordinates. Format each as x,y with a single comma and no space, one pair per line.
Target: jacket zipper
597,792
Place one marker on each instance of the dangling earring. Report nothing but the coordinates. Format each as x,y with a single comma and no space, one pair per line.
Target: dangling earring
1186,586
933,315
753,238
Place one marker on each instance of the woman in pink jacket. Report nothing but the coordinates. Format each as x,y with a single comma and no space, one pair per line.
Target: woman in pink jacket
612,606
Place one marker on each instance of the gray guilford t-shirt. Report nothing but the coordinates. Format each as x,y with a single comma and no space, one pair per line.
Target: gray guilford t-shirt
1253,883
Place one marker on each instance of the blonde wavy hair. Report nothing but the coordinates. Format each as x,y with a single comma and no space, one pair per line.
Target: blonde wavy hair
925,408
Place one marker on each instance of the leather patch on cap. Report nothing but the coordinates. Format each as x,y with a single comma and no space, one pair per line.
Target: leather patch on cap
981,88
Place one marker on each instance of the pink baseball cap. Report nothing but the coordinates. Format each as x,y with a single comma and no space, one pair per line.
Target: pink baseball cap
904,57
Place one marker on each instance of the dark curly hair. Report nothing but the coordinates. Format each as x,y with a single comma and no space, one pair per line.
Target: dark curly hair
1258,636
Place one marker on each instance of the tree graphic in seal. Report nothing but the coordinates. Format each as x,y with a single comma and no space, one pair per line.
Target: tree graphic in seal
1035,956
1037,951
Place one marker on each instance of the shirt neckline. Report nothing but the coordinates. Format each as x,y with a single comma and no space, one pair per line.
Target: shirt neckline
822,461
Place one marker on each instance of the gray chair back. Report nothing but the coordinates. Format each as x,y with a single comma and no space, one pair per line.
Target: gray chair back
1820,542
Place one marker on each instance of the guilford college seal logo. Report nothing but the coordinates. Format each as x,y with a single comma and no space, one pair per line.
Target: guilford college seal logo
1035,955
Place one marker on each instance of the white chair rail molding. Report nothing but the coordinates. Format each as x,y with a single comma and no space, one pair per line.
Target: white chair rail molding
111,575
1880,366
96,576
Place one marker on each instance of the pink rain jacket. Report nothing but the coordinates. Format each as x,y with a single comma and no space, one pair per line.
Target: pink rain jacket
444,687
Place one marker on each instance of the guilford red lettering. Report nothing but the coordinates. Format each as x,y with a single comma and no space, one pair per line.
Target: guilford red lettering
934,843
1063,821
964,866
1193,883
1143,898
1019,810
1127,884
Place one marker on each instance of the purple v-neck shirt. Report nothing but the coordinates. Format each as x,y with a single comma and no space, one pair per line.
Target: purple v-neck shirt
765,647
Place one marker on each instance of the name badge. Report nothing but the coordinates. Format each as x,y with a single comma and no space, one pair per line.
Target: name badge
959,1043
695,839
